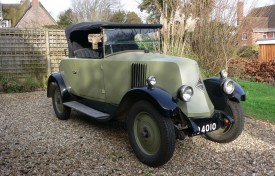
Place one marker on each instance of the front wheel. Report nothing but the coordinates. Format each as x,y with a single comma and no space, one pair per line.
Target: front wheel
151,135
62,112
231,132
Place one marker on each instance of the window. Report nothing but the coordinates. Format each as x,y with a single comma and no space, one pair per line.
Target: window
273,34
119,40
244,36
265,35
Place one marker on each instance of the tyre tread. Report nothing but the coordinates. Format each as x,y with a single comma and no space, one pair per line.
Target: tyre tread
235,130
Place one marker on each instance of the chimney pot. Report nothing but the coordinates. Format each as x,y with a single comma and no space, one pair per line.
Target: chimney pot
35,2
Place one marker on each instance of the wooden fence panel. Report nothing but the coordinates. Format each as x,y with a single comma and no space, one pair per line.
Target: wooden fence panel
28,52
266,52
58,48
22,52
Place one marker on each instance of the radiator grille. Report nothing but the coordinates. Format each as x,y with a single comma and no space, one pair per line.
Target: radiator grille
138,75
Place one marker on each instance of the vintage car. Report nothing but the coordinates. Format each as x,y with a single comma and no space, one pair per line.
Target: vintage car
116,72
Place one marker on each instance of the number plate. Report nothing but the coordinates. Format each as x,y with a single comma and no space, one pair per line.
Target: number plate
207,128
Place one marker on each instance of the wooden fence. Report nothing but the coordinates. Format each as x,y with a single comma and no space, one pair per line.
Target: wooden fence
30,52
266,53
266,50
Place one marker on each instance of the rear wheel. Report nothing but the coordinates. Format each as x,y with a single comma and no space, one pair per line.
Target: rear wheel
62,112
151,135
231,132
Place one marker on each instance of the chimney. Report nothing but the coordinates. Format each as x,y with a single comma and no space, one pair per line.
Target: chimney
240,8
35,2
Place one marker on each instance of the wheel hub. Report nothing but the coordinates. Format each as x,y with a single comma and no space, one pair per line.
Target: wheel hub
145,133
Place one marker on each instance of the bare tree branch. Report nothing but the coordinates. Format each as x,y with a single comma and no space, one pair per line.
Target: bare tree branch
94,10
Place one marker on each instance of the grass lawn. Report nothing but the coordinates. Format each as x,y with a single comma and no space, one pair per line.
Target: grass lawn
260,100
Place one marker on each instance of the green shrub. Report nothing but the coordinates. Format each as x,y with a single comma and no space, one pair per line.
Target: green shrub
11,86
31,84
249,51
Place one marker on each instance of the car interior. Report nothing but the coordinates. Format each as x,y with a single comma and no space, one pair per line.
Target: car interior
91,49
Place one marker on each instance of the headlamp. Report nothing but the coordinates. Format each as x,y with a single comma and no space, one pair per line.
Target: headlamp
223,74
185,93
228,86
151,81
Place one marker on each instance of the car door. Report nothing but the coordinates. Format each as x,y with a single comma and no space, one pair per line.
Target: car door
90,82
69,74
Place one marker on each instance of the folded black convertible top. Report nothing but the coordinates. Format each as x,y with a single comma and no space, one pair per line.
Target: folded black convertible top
96,26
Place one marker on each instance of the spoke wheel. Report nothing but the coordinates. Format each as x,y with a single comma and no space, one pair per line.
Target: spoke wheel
62,112
231,132
151,135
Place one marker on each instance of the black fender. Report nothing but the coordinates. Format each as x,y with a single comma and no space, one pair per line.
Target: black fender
217,95
57,78
160,99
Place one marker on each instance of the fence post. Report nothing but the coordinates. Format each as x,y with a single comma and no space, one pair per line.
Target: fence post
48,52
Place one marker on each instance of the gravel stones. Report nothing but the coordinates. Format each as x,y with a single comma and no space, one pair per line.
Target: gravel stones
34,142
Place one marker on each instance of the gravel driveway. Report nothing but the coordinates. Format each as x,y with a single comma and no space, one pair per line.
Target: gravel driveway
34,142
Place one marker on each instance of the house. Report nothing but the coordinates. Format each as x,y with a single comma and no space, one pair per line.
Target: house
26,15
5,19
258,24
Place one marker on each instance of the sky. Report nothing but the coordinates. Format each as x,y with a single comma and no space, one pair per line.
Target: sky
55,7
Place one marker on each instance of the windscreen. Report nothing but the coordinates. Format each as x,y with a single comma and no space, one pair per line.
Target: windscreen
119,40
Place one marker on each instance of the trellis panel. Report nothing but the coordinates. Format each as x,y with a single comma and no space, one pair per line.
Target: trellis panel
28,52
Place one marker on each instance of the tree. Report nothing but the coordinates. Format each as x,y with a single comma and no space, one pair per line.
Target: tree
168,11
119,16
132,17
150,7
94,10
201,28
66,18
123,17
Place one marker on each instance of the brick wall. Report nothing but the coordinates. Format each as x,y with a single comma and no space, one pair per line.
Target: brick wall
256,36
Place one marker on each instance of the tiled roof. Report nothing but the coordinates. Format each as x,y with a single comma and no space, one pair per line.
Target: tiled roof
267,12
8,6
257,22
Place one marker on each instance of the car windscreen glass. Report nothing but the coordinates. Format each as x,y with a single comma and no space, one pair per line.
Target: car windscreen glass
118,40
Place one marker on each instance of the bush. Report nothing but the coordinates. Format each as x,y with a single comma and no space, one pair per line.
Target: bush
10,86
31,84
250,51
253,70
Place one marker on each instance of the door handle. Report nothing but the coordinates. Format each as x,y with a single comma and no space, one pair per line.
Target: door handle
74,72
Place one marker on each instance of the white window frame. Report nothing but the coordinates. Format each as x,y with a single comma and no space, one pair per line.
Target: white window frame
265,35
244,36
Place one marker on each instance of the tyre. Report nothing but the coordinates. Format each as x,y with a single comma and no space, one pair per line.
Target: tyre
231,132
151,135
62,112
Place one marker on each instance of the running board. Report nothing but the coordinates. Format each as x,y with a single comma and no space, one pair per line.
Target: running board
87,110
